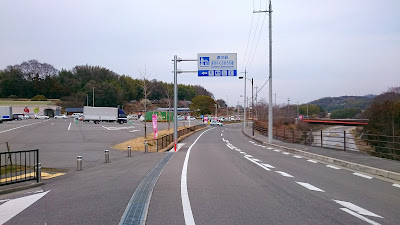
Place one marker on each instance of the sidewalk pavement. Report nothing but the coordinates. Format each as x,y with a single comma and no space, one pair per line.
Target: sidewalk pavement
350,159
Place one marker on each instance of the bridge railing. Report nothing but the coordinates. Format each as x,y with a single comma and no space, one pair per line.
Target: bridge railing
376,145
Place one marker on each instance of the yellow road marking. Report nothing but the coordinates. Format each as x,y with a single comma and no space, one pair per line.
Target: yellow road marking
45,176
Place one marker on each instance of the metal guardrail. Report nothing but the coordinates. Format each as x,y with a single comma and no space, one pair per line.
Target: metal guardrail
164,141
376,145
19,166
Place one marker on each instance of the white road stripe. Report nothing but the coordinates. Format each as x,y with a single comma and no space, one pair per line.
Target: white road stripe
223,139
396,185
357,208
257,160
222,134
333,167
286,153
69,127
310,187
269,166
269,148
284,174
362,175
248,156
258,164
13,207
312,161
360,217
187,209
297,156
243,153
18,127
276,150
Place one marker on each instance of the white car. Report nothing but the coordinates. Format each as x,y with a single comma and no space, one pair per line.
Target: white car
190,118
215,123
41,117
61,117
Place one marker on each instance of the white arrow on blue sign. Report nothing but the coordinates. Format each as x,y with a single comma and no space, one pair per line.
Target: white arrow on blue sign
217,64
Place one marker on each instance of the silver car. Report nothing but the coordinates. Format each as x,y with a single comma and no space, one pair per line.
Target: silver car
61,117
41,117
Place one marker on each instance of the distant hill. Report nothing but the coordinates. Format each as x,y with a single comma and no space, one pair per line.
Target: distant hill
331,104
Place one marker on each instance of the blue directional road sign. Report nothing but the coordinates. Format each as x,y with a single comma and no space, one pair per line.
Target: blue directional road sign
217,64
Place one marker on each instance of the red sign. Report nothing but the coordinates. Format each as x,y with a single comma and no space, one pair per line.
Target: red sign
26,110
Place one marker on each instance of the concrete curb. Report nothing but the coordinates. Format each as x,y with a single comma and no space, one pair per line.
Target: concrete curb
339,162
20,188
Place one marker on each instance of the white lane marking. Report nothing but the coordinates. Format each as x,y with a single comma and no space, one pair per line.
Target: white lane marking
251,142
258,164
284,174
360,217
312,161
276,150
264,146
396,185
133,131
357,208
223,131
333,167
227,141
19,127
310,187
187,209
286,153
69,127
13,207
244,153
223,139
222,134
362,175
229,146
297,156
118,128
269,166
248,156
257,160
269,148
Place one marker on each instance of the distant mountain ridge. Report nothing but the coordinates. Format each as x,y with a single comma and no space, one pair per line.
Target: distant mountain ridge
331,104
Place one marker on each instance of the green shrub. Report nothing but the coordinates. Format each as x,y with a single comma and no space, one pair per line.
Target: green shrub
39,98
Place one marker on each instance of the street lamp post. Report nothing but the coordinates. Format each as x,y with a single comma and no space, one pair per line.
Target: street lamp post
252,101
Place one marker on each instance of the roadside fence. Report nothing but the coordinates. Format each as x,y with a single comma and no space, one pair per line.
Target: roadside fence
376,145
164,141
19,166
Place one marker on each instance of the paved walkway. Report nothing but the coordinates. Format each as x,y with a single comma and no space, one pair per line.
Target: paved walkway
350,156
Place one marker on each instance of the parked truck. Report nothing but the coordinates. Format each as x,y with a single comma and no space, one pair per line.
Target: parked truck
103,114
5,113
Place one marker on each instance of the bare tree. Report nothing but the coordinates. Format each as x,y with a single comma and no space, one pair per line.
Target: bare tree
169,92
146,92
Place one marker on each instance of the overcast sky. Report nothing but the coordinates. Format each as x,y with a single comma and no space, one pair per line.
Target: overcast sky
320,48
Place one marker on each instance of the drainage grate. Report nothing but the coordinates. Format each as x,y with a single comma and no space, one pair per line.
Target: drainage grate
136,211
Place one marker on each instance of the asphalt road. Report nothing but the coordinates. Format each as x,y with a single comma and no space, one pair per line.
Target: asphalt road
241,182
229,180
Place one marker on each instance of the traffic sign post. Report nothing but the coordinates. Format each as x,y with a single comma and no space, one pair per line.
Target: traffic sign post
217,64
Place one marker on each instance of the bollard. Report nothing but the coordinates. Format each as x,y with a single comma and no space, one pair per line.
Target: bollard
146,146
39,172
129,151
107,156
79,163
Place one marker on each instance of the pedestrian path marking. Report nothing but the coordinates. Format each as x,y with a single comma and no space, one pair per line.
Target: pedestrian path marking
310,187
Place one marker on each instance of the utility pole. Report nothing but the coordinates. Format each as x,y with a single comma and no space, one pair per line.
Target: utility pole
227,107
252,105
93,96
270,117
244,100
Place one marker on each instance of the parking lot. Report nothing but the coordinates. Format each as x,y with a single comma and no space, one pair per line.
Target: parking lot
60,141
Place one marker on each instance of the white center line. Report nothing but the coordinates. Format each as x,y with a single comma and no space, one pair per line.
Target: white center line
269,166
297,156
222,134
248,156
223,139
333,167
362,175
269,148
312,161
69,127
396,185
286,153
276,150
310,187
284,174
359,216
